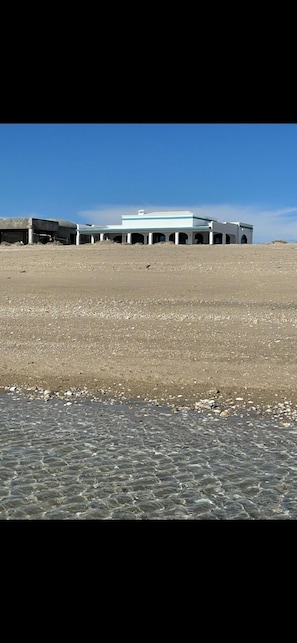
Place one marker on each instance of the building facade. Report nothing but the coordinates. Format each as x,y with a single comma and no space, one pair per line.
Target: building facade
30,230
179,227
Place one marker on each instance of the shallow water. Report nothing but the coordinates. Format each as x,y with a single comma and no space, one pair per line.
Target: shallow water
96,460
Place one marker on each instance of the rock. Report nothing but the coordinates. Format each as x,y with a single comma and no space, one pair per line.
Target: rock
205,404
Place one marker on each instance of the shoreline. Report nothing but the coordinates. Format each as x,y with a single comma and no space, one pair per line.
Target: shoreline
282,411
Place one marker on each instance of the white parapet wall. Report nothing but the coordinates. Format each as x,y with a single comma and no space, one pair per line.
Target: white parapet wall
157,220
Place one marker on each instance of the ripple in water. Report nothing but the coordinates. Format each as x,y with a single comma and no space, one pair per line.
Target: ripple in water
100,461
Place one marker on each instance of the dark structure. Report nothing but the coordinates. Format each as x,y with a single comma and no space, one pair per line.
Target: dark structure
31,230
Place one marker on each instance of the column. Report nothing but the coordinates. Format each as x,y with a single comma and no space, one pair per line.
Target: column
30,235
92,238
190,238
224,238
77,237
101,236
176,238
211,237
129,237
150,240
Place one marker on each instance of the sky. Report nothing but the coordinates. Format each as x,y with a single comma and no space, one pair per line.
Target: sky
94,173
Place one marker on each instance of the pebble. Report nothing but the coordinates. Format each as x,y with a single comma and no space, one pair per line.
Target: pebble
283,410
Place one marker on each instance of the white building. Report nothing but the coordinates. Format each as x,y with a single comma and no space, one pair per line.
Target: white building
179,227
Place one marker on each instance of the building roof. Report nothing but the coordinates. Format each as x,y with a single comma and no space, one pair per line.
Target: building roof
167,214
63,223
123,230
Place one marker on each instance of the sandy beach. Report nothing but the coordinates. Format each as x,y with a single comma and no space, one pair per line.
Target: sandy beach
175,324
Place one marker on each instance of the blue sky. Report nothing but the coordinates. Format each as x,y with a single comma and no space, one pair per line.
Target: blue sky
93,173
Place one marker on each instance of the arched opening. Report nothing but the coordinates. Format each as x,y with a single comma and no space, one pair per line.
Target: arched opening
243,239
198,237
183,237
118,238
218,238
228,238
158,237
172,237
137,238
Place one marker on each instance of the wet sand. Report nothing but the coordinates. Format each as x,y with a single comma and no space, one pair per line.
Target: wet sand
174,324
